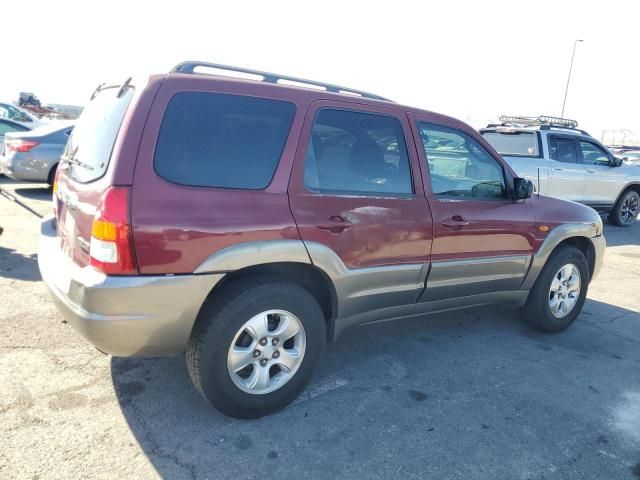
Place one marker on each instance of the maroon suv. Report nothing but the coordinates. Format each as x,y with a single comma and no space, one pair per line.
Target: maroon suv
249,222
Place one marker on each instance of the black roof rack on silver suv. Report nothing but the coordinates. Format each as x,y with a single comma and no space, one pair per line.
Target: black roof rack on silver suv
190,67
544,122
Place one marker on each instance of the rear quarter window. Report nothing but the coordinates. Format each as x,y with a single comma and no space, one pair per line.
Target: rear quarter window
516,144
221,140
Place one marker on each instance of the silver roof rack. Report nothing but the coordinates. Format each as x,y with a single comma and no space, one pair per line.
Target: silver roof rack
191,66
542,120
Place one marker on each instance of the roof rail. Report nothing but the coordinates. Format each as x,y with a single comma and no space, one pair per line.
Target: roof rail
190,67
545,122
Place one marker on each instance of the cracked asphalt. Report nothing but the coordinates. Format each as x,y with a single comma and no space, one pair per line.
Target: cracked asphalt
466,395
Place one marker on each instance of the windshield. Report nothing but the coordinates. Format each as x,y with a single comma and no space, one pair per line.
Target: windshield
523,144
91,142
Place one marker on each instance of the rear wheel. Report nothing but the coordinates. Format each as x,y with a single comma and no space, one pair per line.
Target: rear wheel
626,210
255,346
52,175
559,293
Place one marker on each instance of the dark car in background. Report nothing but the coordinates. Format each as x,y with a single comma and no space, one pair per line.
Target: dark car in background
34,155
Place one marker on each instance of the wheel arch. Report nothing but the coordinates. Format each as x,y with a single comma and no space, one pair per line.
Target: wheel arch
284,259
630,186
576,234
585,246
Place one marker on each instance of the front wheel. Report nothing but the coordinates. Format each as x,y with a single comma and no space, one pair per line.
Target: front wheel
626,210
559,293
255,346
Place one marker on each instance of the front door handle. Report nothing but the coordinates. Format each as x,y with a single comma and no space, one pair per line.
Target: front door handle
558,168
455,222
591,171
336,224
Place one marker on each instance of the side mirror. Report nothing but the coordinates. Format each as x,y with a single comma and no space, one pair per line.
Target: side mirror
617,161
522,188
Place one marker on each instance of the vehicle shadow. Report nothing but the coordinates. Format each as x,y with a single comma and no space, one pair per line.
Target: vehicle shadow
35,193
404,395
18,266
617,236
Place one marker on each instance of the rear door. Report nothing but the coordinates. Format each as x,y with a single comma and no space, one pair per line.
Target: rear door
483,241
604,182
568,175
357,199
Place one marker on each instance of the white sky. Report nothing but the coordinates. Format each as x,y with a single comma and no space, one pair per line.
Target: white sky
471,60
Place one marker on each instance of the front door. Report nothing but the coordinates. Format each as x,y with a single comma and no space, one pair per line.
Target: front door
568,175
603,181
358,202
483,241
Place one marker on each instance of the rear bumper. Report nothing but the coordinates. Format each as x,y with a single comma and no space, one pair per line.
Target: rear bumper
122,316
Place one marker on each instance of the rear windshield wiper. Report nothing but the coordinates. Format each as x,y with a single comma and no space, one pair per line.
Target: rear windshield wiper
75,161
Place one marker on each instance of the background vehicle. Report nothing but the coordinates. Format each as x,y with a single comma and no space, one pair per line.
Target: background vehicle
28,98
34,155
631,157
570,164
19,115
9,126
249,221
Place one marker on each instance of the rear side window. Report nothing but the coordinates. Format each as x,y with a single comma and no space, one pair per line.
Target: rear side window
357,153
516,144
91,142
10,127
219,140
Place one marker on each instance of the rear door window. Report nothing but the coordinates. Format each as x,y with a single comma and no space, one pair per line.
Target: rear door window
563,150
357,153
6,127
220,140
91,142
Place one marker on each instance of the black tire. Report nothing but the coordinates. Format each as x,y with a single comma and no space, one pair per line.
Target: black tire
537,312
220,319
617,215
52,175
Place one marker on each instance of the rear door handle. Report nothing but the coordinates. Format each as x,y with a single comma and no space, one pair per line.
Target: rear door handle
336,224
558,168
455,222
591,171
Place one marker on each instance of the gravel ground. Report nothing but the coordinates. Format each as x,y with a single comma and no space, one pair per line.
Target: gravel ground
469,395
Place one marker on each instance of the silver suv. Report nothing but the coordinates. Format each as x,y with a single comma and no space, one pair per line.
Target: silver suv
565,162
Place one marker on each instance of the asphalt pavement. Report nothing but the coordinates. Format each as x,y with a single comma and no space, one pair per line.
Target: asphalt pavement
465,395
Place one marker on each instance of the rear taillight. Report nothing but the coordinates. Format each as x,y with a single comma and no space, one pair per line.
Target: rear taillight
111,247
19,145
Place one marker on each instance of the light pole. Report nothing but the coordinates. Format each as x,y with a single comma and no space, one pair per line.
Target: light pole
566,90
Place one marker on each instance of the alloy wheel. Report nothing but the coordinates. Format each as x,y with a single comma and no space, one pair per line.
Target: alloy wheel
266,352
629,210
564,291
